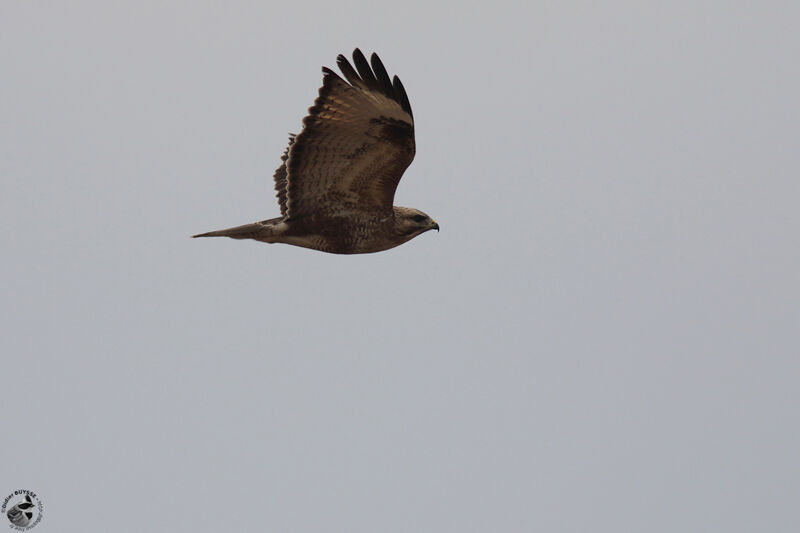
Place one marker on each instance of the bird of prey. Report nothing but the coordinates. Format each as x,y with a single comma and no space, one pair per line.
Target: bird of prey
336,183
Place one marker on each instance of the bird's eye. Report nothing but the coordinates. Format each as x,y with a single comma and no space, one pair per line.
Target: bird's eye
418,218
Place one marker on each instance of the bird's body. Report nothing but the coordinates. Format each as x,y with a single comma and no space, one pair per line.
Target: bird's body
337,179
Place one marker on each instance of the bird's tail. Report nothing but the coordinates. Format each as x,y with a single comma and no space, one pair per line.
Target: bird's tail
257,230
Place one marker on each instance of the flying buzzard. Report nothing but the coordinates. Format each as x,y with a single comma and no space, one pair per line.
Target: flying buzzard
337,179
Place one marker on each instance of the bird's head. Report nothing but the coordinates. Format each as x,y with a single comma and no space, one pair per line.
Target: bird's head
410,222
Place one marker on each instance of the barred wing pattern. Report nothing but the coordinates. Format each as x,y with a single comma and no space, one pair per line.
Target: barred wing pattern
281,174
357,141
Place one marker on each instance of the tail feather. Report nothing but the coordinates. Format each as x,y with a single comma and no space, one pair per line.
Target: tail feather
256,230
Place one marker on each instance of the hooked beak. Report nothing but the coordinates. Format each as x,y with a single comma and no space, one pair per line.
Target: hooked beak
435,225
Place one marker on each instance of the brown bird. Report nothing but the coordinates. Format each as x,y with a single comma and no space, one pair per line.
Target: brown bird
338,176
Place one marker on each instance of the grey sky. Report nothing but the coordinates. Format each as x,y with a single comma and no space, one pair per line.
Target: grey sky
603,337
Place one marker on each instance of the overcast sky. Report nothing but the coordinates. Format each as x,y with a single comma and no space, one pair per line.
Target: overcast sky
603,337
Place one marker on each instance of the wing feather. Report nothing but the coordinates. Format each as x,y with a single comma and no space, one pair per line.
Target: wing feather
365,71
347,69
281,175
382,75
402,97
356,142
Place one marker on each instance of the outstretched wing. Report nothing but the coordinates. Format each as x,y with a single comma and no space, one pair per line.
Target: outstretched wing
357,141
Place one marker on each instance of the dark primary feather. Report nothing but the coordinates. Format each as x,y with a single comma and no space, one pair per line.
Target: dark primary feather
347,69
402,97
365,71
383,76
